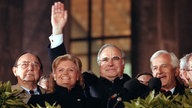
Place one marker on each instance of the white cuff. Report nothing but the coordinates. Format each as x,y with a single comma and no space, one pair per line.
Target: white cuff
56,40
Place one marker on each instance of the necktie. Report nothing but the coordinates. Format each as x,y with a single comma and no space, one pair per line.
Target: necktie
31,92
167,93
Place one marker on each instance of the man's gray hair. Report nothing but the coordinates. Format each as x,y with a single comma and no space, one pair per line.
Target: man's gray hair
184,61
174,59
109,45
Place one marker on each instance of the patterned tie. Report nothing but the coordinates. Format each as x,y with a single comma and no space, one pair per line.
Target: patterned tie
31,92
166,93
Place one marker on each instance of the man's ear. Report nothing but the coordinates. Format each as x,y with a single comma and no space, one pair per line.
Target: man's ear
123,64
14,71
185,75
123,61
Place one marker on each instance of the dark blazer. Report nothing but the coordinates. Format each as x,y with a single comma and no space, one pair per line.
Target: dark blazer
107,90
179,89
74,98
103,88
55,52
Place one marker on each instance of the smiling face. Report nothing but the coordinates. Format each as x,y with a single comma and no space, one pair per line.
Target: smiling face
163,69
66,74
27,69
111,63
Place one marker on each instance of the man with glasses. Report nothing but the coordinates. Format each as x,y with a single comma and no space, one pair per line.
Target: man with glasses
183,72
186,70
111,65
28,69
111,61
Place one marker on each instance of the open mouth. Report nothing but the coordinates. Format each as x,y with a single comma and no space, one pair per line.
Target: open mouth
65,78
161,76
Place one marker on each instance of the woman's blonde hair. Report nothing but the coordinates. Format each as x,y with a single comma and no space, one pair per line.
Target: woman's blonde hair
66,57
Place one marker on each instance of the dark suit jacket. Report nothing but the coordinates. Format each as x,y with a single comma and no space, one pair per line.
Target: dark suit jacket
179,89
55,52
104,88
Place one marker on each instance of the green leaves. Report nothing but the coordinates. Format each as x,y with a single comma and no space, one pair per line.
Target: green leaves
9,98
47,106
161,101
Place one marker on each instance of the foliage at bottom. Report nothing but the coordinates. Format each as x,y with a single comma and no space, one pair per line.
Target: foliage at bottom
161,101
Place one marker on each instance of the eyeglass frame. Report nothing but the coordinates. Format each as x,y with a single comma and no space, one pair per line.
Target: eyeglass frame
106,46
39,60
188,70
25,64
113,59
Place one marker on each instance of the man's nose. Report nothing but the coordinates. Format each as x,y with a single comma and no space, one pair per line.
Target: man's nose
158,72
110,61
30,66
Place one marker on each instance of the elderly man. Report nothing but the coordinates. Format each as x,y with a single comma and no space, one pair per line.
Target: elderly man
183,72
186,70
164,65
111,65
28,69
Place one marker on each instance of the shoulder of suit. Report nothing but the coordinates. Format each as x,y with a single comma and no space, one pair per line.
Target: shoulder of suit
125,76
17,87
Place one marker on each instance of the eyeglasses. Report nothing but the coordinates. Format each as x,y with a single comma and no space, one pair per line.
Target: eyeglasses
115,59
189,70
25,64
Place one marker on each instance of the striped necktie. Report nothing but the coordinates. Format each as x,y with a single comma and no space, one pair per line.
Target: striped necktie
31,92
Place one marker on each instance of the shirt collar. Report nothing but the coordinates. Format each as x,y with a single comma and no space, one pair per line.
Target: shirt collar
36,92
172,90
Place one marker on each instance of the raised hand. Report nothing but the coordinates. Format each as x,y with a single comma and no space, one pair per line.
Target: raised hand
58,18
